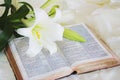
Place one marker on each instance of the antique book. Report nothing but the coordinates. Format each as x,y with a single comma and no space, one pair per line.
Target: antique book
72,56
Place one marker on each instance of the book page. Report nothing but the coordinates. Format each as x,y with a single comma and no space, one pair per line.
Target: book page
41,66
83,52
71,77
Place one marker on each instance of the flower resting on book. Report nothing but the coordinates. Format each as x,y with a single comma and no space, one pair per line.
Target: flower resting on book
45,31
42,34
33,22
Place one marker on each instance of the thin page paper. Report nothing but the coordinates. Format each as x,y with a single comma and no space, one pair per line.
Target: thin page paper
40,66
78,52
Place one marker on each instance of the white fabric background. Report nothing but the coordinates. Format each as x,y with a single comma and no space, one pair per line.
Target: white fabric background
5,69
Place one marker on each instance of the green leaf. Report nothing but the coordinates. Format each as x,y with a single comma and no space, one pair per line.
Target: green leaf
5,36
2,23
20,13
17,35
72,35
27,4
7,2
13,9
31,13
7,7
28,22
2,5
53,11
17,25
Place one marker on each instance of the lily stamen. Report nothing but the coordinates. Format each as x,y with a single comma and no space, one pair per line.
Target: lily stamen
38,35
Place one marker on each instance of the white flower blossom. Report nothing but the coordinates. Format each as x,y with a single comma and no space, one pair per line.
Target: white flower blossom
42,34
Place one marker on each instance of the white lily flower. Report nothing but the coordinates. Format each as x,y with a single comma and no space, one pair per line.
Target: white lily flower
58,15
42,34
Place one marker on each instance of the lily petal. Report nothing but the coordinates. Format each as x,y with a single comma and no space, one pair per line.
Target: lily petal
24,31
58,15
40,15
51,46
34,48
43,33
53,32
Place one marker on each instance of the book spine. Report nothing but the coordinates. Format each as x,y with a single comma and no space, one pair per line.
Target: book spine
13,63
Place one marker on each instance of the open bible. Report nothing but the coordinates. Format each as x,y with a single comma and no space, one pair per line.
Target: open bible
71,57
